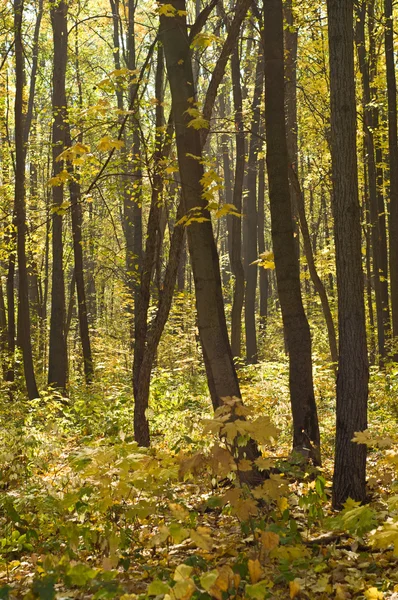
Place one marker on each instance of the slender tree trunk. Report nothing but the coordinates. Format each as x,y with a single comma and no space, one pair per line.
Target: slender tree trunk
369,125
316,280
20,210
251,215
264,278
141,426
393,164
305,419
236,223
349,478
58,361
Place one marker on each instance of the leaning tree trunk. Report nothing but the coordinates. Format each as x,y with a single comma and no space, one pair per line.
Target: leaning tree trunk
349,478
213,332
305,419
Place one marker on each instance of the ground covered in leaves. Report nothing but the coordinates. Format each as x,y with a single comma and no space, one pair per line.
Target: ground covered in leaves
85,513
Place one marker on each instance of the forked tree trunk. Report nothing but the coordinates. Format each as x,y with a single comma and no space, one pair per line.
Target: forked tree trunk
305,419
213,332
349,478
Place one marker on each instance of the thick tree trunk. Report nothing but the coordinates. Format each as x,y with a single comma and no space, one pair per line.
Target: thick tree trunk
291,41
58,361
349,478
213,333
305,419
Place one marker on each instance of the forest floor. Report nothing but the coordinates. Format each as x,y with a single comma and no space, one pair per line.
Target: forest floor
85,513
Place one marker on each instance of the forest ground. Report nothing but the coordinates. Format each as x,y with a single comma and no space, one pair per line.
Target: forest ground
85,513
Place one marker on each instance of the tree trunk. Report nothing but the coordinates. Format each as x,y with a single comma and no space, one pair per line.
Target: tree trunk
349,479
264,278
369,127
236,222
316,280
393,164
58,361
305,419
213,332
24,326
251,216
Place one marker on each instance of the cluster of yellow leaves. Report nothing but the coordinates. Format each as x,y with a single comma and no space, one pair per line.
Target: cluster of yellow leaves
265,260
168,10
203,40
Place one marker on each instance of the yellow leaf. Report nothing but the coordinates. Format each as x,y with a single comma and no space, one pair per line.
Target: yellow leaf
269,540
107,143
255,570
373,594
182,572
207,580
199,123
245,465
201,538
183,590
167,10
294,588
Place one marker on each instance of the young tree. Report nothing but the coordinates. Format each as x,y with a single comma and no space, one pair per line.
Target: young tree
305,419
352,381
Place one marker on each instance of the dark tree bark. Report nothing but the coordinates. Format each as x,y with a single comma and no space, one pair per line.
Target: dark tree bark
393,164
305,419
235,222
24,325
369,127
316,280
291,41
264,278
220,368
251,216
349,478
58,360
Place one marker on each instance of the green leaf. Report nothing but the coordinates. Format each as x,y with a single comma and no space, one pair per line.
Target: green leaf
44,588
258,591
4,592
207,580
157,587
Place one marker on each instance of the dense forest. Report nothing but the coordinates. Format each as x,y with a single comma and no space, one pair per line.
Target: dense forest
198,299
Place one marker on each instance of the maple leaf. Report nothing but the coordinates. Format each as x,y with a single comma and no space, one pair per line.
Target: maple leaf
385,536
255,570
201,538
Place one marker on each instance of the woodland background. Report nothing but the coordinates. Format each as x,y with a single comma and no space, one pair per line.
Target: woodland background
198,299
